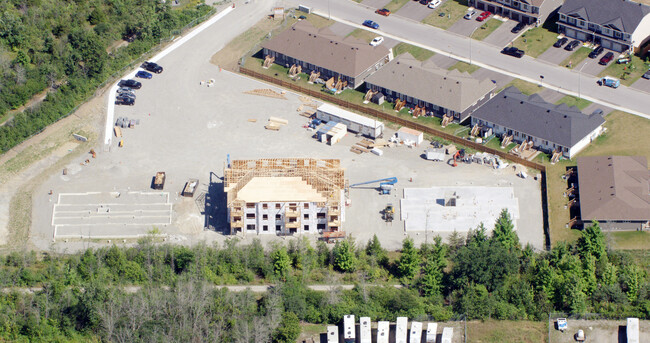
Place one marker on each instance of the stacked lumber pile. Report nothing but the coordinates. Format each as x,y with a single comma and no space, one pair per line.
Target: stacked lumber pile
275,123
268,93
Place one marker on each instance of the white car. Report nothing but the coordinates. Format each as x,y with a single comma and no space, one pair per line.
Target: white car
377,41
469,15
434,3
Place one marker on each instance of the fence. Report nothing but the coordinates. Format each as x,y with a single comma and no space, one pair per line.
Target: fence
420,127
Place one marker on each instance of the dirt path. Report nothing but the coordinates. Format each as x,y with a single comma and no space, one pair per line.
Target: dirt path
35,100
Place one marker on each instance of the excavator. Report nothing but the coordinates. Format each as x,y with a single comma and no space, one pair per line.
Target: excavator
385,186
460,154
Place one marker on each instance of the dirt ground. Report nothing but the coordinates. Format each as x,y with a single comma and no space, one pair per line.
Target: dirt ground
613,331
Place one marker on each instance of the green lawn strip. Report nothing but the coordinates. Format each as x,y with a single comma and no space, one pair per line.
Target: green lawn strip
486,29
627,73
535,41
575,58
628,240
364,35
453,10
525,87
419,53
558,215
506,331
395,5
574,101
464,67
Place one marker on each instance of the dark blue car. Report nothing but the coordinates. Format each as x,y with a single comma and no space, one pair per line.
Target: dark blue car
143,74
371,24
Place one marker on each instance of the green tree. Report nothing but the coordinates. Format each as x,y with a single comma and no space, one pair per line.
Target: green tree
504,231
374,249
288,330
408,264
631,281
344,257
281,263
592,242
436,261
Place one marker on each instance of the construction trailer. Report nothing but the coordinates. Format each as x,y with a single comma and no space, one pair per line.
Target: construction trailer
432,332
331,133
285,196
632,330
332,334
190,187
383,332
447,335
354,122
365,330
401,330
416,332
349,334
406,135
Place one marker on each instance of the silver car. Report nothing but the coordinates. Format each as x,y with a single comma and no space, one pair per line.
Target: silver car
469,15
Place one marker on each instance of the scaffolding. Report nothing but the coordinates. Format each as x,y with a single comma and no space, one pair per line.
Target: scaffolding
325,175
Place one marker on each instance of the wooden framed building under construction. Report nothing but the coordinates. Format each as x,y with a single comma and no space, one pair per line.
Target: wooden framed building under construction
285,196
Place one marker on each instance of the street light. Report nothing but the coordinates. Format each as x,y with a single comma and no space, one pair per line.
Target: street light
579,73
470,44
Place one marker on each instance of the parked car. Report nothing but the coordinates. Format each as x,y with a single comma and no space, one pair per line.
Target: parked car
512,51
606,59
152,67
469,15
371,24
133,84
574,43
434,3
424,2
483,16
384,11
599,50
377,41
302,17
123,100
609,82
560,42
143,74
520,26
126,95
125,90
646,75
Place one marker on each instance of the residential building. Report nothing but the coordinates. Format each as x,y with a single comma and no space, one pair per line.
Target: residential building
615,191
285,196
619,25
320,50
526,11
551,128
440,91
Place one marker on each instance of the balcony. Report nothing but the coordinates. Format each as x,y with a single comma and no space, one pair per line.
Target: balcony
238,223
292,213
292,225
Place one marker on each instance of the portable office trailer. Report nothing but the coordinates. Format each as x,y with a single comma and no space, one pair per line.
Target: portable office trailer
406,134
401,329
332,334
354,122
349,335
383,331
447,335
365,330
416,332
632,330
432,331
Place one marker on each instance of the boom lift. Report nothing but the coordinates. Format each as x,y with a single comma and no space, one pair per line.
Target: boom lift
385,186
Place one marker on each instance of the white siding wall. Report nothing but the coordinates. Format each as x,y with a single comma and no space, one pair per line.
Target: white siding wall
642,31
271,211
585,141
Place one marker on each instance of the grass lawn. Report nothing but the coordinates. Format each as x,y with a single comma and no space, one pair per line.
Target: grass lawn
464,67
505,331
364,35
575,58
394,5
486,29
628,73
417,52
311,331
453,10
524,86
535,41
574,101
628,240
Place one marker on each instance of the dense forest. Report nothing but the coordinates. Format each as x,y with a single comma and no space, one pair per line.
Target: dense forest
66,46
90,295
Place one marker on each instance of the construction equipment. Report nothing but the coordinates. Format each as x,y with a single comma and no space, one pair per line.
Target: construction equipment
268,60
399,103
385,185
159,181
389,213
460,154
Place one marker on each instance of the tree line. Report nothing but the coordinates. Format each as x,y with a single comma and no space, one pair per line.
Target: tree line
85,295
65,46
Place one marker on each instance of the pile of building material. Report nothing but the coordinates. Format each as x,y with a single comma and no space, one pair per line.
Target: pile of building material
435,154
275,123
208,83
268,93
332,132
125,122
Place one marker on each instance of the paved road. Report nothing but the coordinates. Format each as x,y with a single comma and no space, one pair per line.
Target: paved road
485,55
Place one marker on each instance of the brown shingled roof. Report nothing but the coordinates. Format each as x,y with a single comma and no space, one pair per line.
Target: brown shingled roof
348,56
614,188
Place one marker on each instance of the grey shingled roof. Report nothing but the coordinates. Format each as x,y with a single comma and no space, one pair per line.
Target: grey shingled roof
533,116
614,188
425,81
348,56
623,15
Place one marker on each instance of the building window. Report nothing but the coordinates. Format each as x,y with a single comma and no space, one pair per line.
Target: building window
320,227
265,217
306,216
581,23
265,228
265,206
278,217
250,227
278,206
320,215
278,228
305,227
306,206
250,215
250,205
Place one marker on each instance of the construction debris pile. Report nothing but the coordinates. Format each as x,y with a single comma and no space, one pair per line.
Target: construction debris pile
267,92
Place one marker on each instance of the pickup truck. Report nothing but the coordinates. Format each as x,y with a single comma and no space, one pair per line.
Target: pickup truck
609,82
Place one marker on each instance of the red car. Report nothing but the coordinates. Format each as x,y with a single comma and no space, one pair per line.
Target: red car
484,16
385,12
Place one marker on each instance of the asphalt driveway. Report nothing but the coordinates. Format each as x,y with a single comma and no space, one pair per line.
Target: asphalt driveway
555,55
375,3
502,36
592,67
414,10
642,85
466,27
